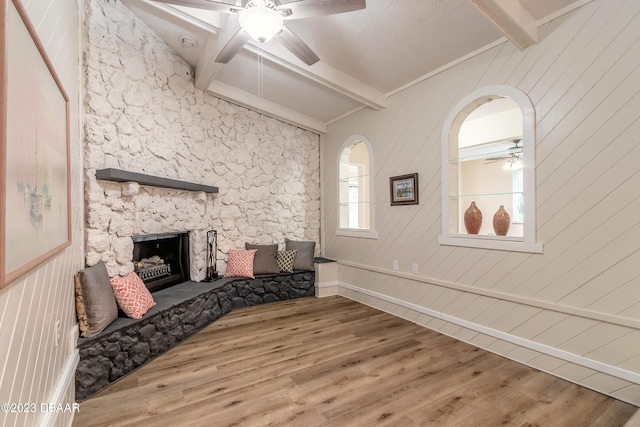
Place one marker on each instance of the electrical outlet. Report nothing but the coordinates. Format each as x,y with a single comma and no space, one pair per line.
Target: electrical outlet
395,265
57,332
414,268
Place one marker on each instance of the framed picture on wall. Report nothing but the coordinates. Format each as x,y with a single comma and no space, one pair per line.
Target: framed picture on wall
404,189
34,155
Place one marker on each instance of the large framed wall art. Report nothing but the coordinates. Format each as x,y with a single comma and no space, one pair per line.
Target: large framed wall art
34,154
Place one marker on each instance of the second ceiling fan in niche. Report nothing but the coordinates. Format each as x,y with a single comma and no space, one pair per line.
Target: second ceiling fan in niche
513,156
263,20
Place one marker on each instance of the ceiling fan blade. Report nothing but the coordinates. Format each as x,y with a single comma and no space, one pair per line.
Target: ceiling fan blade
297,46
308,8
216,6
496,159
233,46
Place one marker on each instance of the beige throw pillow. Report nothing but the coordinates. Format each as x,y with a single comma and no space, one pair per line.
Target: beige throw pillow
99,302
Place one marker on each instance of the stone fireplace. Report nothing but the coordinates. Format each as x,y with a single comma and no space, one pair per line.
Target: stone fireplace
128,221
144,115
161,260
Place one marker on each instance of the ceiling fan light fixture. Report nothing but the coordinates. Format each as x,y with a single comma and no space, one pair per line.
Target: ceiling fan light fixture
261,21
513,164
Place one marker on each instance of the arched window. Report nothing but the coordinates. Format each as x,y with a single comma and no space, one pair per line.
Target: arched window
355,189
488,165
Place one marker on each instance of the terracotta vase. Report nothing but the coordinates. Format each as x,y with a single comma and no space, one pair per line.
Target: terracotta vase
472,219
501,222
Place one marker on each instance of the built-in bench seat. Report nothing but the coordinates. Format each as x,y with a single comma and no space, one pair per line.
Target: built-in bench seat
180,311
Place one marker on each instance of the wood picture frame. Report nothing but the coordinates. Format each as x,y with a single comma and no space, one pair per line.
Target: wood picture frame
404,189
35,184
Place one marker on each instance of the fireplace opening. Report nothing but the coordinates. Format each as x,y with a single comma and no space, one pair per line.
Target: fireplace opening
161,260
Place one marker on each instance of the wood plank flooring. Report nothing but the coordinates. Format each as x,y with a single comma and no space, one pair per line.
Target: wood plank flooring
335,362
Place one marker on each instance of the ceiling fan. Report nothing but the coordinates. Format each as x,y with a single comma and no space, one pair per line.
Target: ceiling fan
513,153
263,20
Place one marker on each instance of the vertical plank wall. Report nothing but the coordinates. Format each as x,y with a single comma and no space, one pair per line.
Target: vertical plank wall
573,311
35,365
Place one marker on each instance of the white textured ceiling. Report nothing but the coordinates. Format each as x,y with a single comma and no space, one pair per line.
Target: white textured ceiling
364,55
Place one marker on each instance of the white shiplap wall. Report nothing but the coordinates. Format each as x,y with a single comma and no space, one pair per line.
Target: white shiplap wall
36,366
573,311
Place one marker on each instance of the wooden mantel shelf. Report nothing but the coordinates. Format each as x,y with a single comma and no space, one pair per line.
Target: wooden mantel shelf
119,175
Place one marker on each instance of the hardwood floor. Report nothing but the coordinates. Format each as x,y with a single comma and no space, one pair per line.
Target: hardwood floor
335,362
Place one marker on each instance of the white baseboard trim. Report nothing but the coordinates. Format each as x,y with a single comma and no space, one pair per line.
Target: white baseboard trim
326,289
532,345
63,388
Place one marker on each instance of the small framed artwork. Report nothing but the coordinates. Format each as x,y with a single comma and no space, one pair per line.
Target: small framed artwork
35,211
404,189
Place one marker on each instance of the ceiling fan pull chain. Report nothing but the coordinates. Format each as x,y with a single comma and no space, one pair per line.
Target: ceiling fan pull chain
260,77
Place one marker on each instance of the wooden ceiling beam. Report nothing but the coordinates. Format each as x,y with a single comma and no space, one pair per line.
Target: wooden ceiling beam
207,67
327,76
320,72
268,108
515,22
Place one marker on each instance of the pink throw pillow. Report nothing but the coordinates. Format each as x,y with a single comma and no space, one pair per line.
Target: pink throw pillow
132,295
240,263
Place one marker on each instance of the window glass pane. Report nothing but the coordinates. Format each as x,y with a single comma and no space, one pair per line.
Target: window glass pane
518,197
484,163
353,187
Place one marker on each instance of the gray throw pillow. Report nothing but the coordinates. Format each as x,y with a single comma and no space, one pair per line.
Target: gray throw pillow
266,258
305,254
99,301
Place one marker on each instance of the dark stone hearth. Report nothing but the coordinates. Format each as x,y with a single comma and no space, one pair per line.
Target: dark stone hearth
158,343
111,350
146,331
180,312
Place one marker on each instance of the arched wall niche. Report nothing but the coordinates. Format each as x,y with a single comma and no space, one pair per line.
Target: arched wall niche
455,201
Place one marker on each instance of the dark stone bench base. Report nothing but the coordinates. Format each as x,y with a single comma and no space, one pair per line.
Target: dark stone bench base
180,312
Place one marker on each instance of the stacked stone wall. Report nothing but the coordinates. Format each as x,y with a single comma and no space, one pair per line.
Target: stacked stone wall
143,114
